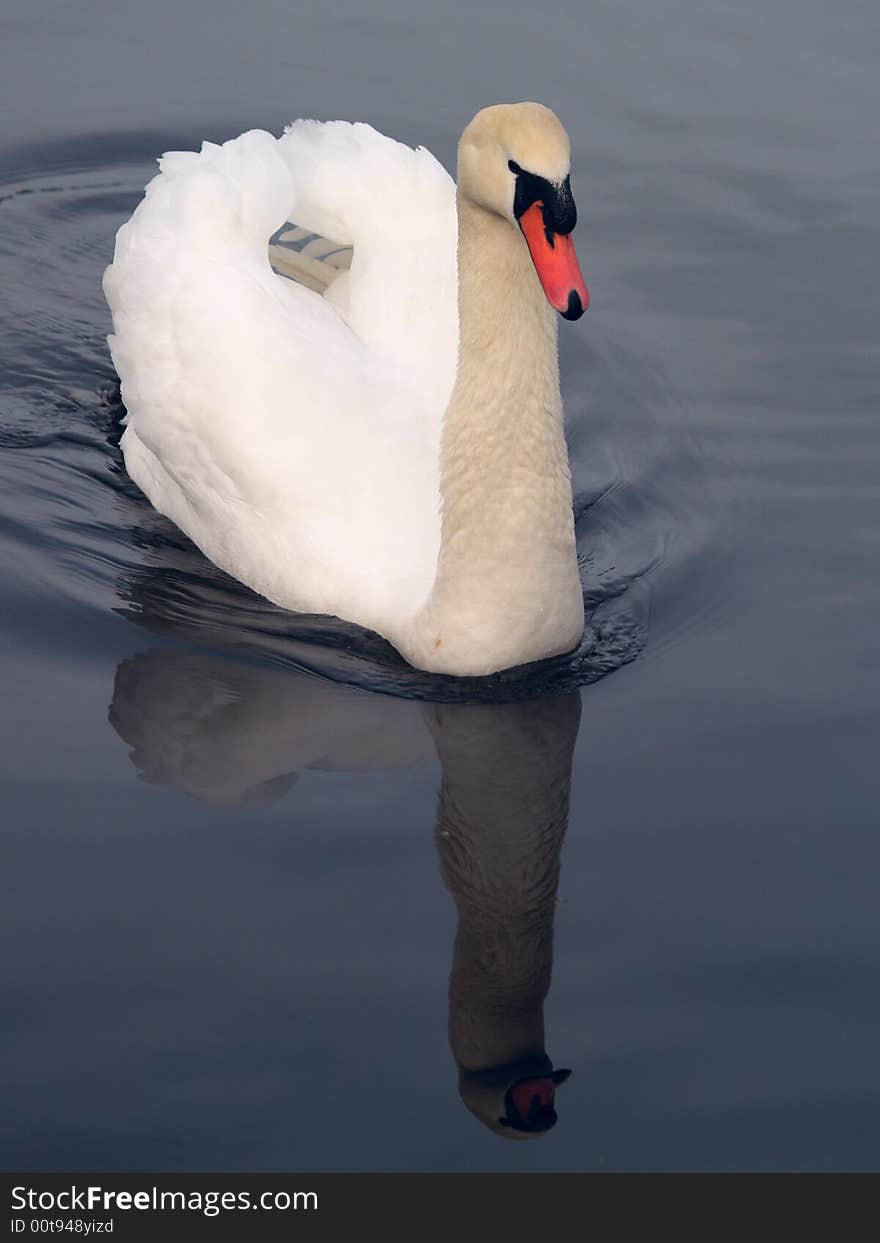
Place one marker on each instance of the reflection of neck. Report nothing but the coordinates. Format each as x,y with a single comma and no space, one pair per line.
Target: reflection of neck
502,814
507,587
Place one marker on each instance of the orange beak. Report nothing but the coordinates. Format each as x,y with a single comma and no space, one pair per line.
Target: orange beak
556,264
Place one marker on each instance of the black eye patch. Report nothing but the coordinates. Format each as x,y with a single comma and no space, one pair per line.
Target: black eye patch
560,215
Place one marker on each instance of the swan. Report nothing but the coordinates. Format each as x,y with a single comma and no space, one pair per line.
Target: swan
382,442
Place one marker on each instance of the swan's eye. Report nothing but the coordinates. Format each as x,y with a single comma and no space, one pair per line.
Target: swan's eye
514,167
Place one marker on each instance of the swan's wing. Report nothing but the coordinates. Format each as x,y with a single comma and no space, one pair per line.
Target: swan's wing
395,206
293,437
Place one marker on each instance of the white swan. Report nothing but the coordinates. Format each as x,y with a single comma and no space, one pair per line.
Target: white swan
391,451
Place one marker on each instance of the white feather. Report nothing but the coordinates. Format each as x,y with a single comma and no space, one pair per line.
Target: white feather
293,437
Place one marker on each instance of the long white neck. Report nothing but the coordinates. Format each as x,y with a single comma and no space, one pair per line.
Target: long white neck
507,589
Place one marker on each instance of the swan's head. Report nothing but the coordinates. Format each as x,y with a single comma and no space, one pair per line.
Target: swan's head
514,160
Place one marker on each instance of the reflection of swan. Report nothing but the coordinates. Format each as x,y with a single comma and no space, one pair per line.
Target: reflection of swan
296,437
238,733
233,733
502,814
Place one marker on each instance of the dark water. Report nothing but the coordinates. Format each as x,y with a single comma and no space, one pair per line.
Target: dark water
241,931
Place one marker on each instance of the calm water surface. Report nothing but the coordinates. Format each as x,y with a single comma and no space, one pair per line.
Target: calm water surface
242,929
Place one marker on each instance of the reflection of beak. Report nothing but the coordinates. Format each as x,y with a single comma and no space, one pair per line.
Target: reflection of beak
531,1097
556,263
530,1102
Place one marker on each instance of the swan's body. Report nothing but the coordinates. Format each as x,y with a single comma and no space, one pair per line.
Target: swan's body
391,452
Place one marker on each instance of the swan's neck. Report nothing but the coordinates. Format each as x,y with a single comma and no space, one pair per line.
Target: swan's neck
507,588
